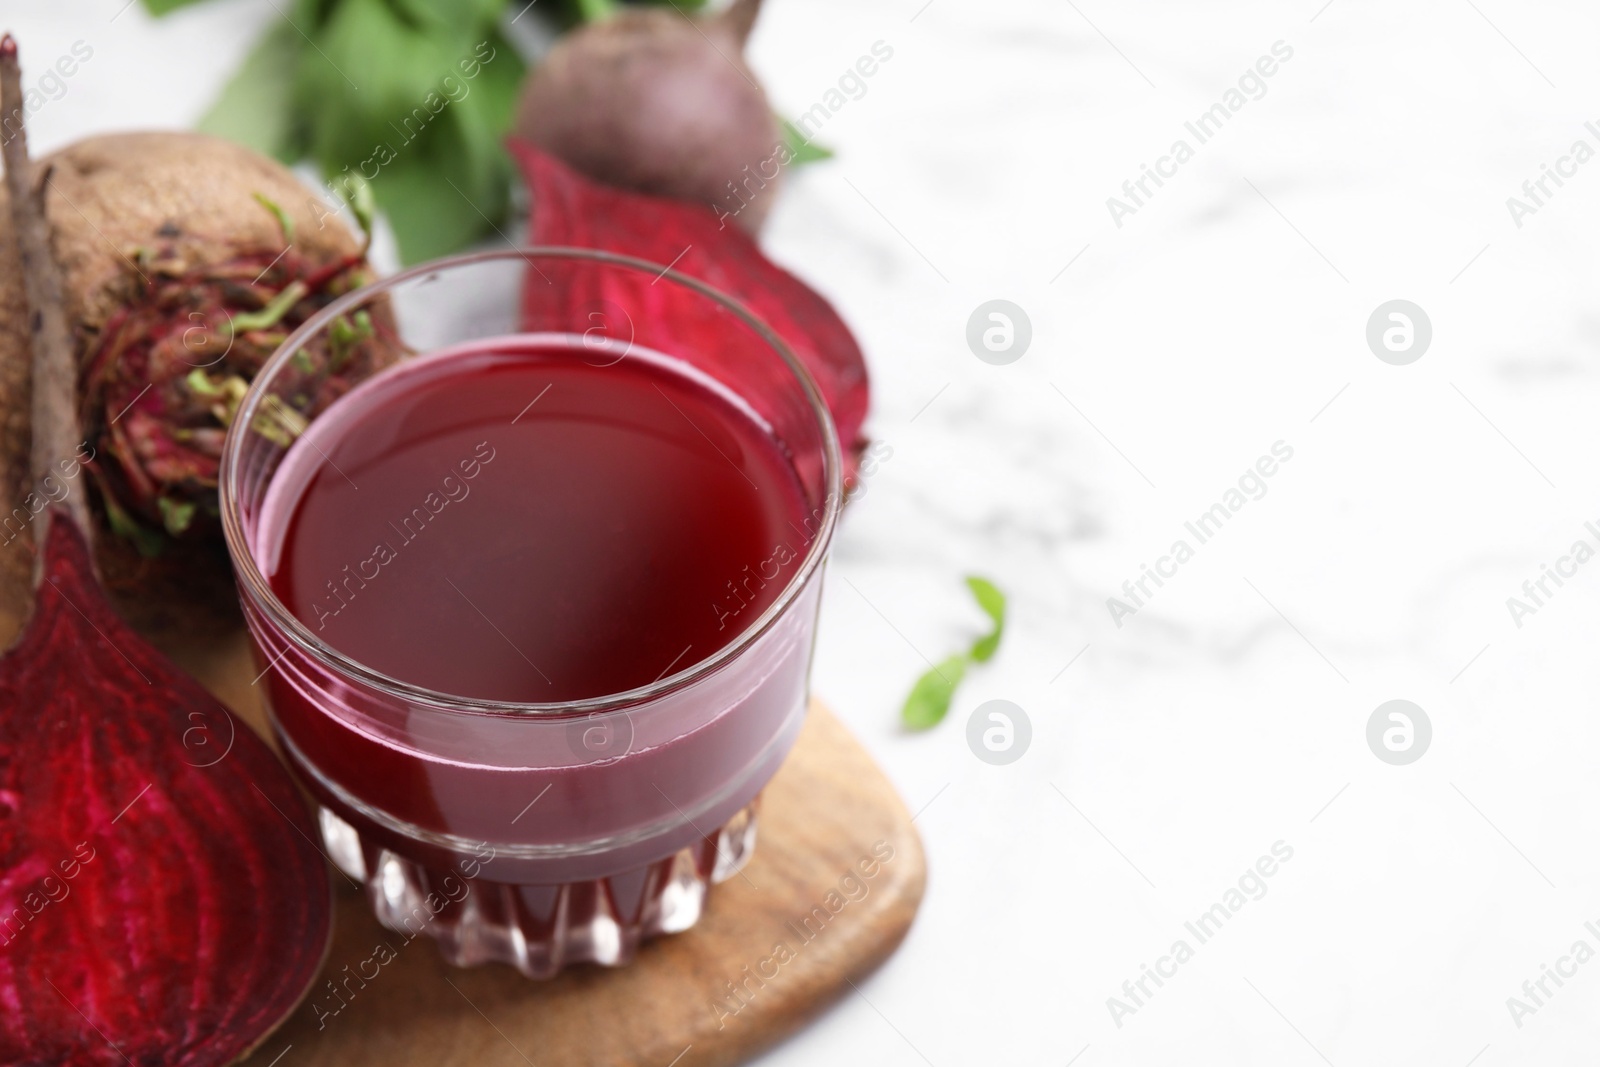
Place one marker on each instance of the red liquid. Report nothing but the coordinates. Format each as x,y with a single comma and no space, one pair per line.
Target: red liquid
446,533
513,522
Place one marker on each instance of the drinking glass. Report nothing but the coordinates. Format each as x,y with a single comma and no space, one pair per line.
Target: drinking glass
539,834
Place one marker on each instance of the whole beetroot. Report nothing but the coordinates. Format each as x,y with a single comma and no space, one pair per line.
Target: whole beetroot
663,103
184,259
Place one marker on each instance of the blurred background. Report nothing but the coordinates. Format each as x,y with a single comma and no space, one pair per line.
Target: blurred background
1176,334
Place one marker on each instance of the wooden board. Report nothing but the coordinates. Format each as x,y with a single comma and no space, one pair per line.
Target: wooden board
776,945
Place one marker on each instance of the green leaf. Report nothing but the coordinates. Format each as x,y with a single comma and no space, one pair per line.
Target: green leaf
462,157
256,107
162,7
597,10
929,700
450,14
497,87
310,15
800,148
370,75
425,127
431,212
993,603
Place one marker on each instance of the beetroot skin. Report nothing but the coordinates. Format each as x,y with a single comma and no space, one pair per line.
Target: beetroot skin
663,103
161,901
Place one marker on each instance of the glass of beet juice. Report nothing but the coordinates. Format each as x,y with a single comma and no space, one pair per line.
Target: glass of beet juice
534,605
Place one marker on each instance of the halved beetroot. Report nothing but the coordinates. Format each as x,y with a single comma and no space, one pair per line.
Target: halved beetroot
161,901
569,209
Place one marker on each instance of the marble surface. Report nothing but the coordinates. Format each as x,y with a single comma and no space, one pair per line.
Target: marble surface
1228,313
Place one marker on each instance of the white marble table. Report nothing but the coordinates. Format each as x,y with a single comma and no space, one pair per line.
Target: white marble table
1226,314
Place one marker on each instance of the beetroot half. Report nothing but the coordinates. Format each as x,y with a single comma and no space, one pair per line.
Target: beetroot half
160,895
569,209
161,900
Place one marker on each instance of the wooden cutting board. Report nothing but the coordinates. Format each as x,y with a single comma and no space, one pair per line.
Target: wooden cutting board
776,944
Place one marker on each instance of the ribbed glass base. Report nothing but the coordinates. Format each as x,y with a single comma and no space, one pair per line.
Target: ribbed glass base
539,929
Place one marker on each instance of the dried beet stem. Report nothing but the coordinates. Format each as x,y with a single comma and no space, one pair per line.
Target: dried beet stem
56,435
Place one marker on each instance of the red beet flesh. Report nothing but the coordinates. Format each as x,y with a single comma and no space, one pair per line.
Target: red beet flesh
161,900
569,209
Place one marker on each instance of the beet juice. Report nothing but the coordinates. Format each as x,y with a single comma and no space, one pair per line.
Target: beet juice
535,616
518,522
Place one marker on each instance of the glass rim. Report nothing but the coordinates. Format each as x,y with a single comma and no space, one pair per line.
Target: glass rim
254,585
